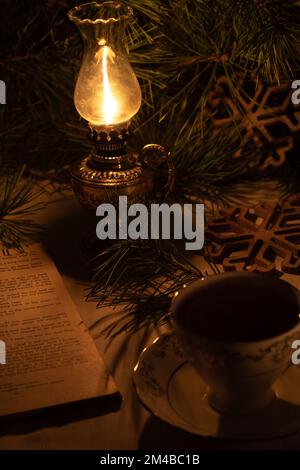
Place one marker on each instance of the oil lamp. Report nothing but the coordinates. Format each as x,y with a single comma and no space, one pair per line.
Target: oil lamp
108,95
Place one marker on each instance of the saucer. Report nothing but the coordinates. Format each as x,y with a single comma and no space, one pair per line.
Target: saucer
169,386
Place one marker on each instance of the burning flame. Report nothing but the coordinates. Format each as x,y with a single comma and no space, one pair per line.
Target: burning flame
109,103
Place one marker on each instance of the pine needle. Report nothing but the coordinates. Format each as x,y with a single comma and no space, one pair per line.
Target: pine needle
18,207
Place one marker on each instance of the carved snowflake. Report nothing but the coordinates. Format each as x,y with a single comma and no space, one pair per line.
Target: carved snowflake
264,114
259,239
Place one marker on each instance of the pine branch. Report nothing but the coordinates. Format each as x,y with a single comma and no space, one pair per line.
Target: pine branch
142,277
18,207
204,159
201,40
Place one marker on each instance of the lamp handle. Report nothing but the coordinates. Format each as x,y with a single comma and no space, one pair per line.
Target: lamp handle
154,156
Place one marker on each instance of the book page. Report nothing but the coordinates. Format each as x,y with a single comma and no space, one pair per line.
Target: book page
50,357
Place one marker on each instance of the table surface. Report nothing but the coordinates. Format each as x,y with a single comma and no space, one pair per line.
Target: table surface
129,426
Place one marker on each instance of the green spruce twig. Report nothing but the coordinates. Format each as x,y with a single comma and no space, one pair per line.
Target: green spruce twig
141,277
18,207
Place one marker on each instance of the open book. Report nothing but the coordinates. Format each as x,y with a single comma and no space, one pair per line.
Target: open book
48,357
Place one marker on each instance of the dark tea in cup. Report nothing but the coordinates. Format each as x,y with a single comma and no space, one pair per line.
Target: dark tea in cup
237,330
236,310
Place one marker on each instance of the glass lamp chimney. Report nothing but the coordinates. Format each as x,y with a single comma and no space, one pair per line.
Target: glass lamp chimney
107,92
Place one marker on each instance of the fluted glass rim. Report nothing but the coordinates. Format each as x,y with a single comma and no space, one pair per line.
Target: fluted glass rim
73,13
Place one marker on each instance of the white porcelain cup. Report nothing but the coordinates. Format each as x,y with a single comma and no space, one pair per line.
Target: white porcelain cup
239,374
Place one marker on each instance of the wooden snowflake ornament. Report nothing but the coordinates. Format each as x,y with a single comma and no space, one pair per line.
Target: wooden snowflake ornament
264,114
259,239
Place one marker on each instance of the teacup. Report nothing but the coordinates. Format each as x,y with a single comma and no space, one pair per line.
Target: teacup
237,330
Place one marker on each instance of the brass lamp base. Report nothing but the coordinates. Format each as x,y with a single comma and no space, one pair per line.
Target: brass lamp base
110,171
